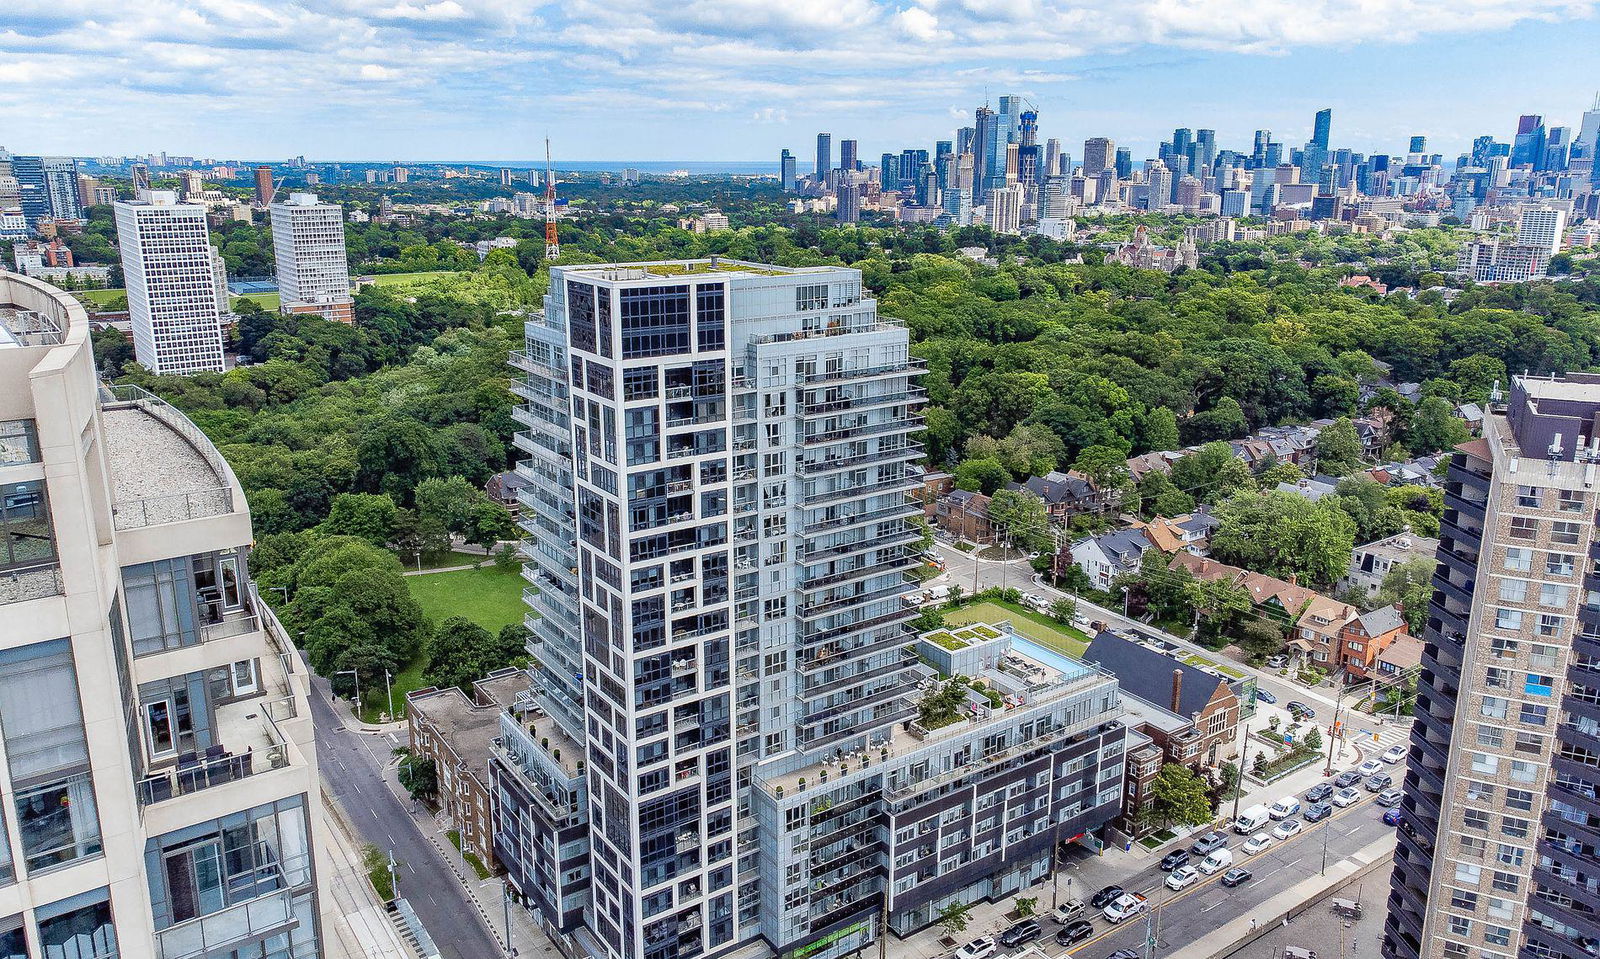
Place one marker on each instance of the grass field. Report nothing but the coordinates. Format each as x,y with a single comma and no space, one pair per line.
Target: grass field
452,558
268,301
1041,629
407,279
101,297
490,597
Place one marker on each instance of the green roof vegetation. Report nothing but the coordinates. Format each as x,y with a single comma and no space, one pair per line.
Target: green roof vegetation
944,640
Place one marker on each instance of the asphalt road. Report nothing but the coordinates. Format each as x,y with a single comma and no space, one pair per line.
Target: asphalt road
1179,918
352,767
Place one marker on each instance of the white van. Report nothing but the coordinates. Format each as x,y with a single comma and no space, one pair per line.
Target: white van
1251,819
1218,860
1285,808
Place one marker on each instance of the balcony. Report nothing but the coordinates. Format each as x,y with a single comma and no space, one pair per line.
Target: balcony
32,582
162,468
253,920
251,743
911,367
904,451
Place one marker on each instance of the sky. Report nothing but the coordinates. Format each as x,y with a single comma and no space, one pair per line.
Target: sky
741,79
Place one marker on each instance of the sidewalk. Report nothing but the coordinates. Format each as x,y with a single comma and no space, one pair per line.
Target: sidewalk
356,924
528,935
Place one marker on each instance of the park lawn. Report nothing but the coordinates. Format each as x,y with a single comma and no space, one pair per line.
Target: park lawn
101,297
408,279
1039,628
267,301
488,596
443,560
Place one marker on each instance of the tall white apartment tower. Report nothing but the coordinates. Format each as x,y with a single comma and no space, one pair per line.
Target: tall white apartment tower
159,795
1542,227
172,284
721,530
313,271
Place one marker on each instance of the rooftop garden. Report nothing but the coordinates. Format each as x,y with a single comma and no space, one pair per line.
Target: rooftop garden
954,639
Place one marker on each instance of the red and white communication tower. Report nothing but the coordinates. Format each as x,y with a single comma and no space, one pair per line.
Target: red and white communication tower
552,246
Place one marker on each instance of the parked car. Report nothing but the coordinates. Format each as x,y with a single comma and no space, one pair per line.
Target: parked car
1106,896
1346,797
1256,843
1126,906
1380,782
1265,695
1319,792
1347,779
1208,843
1284,808
1393,817
1124,954
1299,710
1277,662
1183,877
1370,768
980,948
1288,829
1390,797
1068,911
1236,876
1394,754
1174,859
1317,812
1025,931
1074,932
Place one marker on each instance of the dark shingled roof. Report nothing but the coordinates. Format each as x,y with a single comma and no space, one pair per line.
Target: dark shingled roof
1147,674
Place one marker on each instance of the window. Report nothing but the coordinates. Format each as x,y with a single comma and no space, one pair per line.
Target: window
213,865
811,297
42,720
1558,564
1509,855
25,535
1485,763
1460,926
1491,736
1571,501
1554,594
1524,772
79,927
1522,527
1509,620
641,383
1534,715
1566,533
1497,935
1513,590
1519,558
1468,873
1475,819
1519,799
1461,899
1513,827
1528,497
160,597
710,317
1494,707
18,444
1539,685
1552,625
655,321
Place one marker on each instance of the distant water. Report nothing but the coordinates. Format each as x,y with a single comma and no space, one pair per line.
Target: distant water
696,167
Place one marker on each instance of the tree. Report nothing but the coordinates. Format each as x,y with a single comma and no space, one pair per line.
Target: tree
1160,430
1180,797
488,523
1021,517
462,652
1435,427
448,500
420,777
1410,585
1313,740
1030,449
1282,534
1260,638
1106,467
1026,906
1225,421
1285,472
981,476
954,917
506,558
1064,610
366,516
1339,448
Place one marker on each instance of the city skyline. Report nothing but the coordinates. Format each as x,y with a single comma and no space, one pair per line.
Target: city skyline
710,83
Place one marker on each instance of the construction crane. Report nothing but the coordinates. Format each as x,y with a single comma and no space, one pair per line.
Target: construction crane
552,246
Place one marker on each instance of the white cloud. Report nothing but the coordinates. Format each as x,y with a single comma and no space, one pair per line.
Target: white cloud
918,24
472,63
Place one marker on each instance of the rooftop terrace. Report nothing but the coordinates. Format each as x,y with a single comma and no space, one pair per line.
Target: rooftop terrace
675,268
163,469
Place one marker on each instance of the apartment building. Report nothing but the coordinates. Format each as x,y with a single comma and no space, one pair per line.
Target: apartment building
309,256
156,751
716,748
1497,857
173,296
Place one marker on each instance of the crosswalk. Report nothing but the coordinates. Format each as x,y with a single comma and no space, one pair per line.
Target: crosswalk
1366,732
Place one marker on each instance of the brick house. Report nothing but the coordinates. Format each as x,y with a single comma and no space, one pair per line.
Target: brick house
965,515
1206,703
1365,638
455,730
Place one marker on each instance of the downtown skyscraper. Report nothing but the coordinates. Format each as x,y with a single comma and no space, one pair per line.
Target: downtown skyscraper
721,744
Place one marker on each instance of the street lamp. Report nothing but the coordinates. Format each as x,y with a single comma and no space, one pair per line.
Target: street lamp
1333,730
357,676
388,695
284,590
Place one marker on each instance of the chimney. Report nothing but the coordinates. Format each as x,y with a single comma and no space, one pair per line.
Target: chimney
1177,689
1294,579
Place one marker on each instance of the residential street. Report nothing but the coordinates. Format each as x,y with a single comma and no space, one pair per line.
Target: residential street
352,766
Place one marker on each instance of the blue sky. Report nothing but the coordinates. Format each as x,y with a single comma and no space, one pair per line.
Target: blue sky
741,79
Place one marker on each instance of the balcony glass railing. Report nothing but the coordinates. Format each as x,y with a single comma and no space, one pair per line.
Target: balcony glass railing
251,920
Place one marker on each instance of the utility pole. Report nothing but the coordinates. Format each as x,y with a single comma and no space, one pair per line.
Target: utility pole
505,905
1333,730
1325,824
388,694
394,876
1244,754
